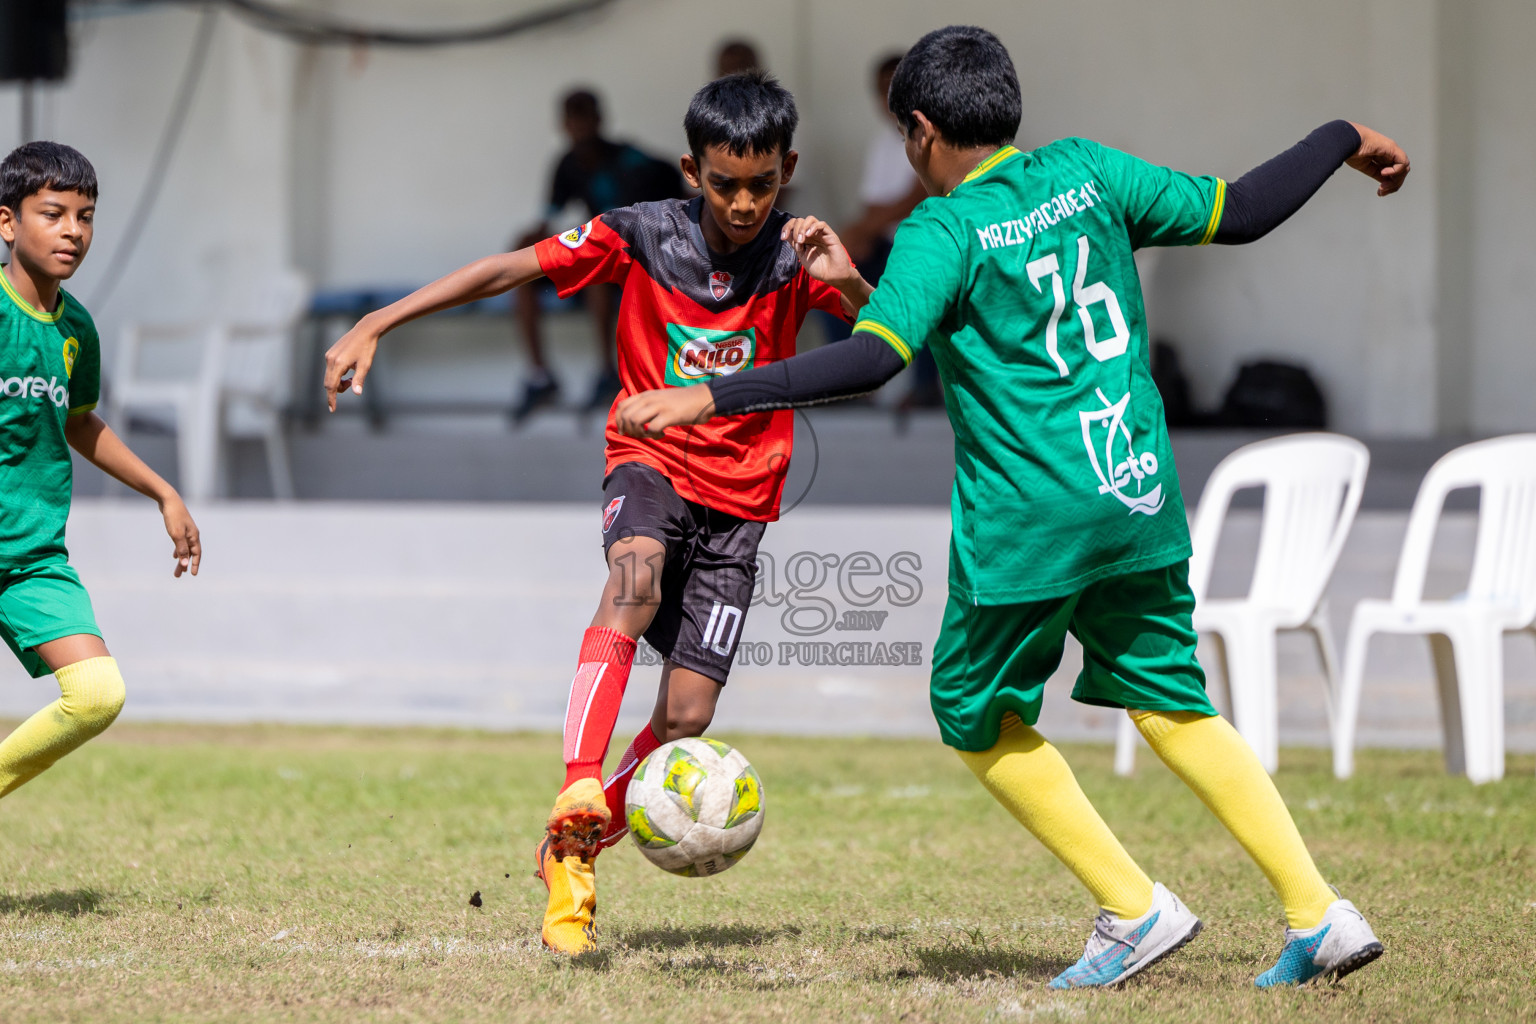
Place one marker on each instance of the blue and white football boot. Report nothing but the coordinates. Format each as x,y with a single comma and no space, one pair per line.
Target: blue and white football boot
1342,942
1118,948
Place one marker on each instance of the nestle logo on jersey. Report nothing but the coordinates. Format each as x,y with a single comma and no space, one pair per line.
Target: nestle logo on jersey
35,387
699,353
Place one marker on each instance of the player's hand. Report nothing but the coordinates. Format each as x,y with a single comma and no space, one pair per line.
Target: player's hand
821,252
183,531
1381,159
650,413
352,354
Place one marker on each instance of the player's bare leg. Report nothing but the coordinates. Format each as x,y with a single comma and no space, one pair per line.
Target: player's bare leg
580,815
685,705
628,605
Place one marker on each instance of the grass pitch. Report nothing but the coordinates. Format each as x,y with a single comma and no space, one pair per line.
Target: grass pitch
244,874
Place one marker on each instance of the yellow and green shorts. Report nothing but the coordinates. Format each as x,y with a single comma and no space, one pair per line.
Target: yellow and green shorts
1138,652
39,603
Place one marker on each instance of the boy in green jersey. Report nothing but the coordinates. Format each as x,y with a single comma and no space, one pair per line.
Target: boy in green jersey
1017,272
50,378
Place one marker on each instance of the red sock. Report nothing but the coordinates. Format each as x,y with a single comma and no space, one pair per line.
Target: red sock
596,693
618,783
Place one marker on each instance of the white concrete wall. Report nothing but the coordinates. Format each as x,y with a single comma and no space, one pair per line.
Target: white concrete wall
1501,245
220,216
1216,88
376,166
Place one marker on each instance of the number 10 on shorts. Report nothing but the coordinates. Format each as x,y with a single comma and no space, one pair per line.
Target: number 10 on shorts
720,633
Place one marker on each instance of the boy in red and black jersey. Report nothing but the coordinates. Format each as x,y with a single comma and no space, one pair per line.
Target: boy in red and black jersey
691,313
711,286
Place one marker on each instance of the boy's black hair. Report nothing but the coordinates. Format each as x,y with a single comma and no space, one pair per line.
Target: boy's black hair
746,113
35,166
963,80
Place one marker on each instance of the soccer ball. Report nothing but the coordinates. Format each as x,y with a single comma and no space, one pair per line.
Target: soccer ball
694,807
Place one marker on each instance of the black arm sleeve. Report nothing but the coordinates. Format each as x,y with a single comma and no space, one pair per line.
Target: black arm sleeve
1266,196
842,369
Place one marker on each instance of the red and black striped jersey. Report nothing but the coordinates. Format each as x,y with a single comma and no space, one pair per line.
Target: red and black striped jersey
687,315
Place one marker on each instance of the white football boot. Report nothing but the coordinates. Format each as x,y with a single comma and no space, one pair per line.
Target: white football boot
1342,942
1118,947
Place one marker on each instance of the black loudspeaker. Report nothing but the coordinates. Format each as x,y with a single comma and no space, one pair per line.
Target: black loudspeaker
34,40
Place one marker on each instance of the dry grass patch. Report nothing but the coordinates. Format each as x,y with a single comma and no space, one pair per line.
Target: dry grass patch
274,873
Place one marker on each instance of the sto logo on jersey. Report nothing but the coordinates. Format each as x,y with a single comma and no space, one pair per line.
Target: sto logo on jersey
1122,472
719,284
698,353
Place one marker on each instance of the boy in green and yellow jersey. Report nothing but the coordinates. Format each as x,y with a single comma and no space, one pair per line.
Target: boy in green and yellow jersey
50,379
1017,273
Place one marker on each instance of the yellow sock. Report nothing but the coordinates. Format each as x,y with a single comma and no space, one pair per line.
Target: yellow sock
91,695
1217,763
1029,777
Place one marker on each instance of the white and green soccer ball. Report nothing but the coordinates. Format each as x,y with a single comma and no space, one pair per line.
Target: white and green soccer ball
695,807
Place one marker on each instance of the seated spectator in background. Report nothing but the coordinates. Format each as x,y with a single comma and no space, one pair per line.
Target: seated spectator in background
600,175
889,191
732,58
736,56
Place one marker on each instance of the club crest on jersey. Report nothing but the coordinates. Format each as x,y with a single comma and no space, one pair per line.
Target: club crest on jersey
71,353
611,512
719,284
573,238
698,353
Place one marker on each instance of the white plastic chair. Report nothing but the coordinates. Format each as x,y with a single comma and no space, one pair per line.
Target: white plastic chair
1312,486
1467,633
220,379
257,370
172,367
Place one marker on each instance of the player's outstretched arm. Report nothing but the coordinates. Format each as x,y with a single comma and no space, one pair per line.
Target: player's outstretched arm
88,434
348,361
842,370
1268,195
825,258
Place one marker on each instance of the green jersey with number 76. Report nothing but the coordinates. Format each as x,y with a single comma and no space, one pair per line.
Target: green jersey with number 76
1021,281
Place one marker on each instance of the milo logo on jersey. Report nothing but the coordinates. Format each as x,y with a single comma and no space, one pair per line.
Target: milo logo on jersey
697,353
1122,471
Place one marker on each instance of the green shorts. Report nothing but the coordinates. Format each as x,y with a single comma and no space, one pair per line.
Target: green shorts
1138,652
40,603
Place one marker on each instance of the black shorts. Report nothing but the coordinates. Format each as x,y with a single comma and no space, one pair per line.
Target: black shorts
707,579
